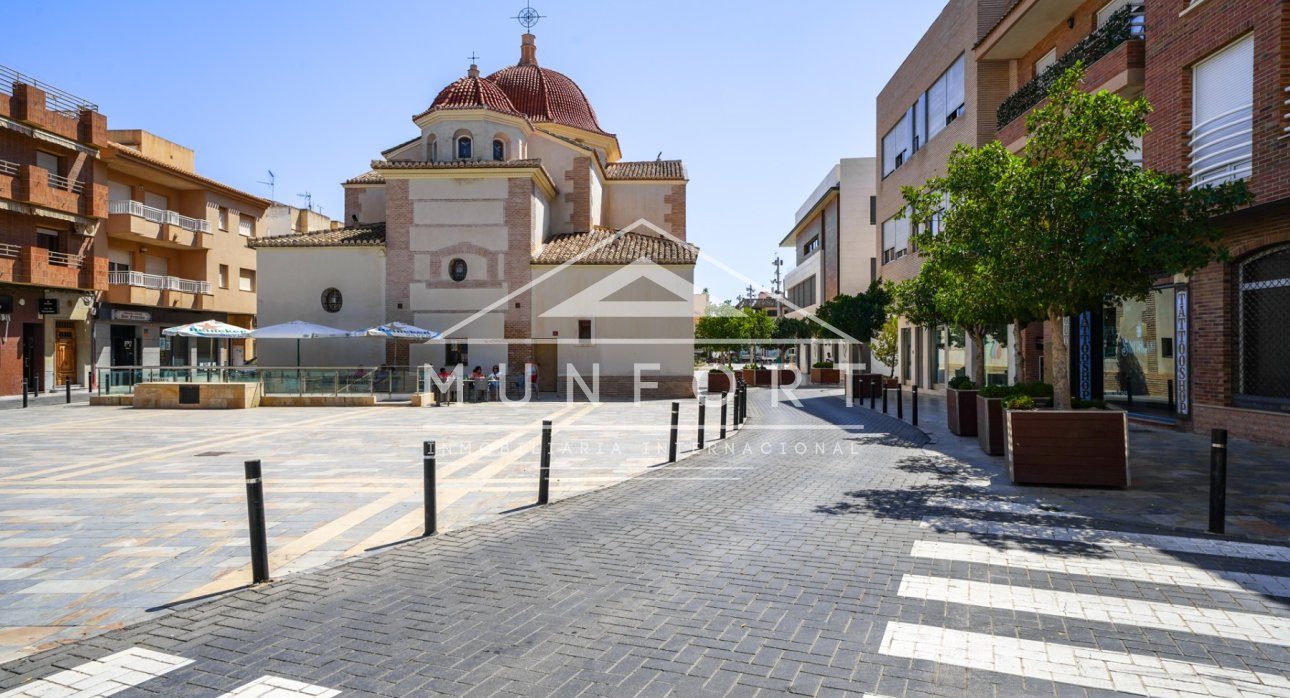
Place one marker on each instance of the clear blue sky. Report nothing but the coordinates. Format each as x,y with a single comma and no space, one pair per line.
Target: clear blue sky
758,99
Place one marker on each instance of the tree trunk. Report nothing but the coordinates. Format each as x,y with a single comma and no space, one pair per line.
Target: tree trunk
1018,352
976,338
1060,362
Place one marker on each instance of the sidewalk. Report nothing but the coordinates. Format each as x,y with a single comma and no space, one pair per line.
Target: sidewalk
1169,471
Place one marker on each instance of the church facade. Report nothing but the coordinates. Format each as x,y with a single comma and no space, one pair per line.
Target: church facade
511,225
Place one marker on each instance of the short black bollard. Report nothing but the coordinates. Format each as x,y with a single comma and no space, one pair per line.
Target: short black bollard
1128,393
427,480
1217,480
702,415
24,392
914,405
900,403
743,405
723,415
68,387
544,473
885,390
1169,386
734,415
259,532
873,394
671,441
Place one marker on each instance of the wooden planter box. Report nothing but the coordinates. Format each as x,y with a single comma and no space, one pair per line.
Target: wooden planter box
826,376
1068,447
760,377
989,425
718,383
865,384
960,411
891,382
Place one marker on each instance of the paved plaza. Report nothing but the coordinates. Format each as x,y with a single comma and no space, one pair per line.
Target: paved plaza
107,512
844,556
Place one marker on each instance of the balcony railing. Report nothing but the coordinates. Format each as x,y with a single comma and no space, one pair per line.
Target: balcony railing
1222,147
65,184
156,215
10,251
9,168
158,283
55,99
65,259
1127,23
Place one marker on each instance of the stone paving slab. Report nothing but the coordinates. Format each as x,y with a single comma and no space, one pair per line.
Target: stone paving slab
107,512
817,573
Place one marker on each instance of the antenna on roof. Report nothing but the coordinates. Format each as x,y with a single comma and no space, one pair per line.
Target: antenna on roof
272,177
309,200
659,156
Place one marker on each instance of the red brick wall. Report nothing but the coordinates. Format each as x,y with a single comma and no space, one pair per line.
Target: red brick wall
579,195
674,219
398,252
517,272
11,348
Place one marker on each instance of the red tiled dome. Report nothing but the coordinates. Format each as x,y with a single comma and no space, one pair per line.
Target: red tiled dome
543,94
473,92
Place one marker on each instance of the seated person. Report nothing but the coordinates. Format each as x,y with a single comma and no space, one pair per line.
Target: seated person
477,374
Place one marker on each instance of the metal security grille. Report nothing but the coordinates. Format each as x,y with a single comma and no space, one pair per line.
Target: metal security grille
1263,314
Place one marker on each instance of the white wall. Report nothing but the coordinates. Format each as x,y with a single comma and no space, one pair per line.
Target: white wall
291,283
858,241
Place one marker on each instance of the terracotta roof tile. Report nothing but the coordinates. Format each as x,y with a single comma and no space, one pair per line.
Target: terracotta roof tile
451,164
404,144
543,94
472,92
646,169
366,235
369,177
604,246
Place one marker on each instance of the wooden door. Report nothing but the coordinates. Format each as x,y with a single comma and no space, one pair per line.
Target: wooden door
546,356
64,354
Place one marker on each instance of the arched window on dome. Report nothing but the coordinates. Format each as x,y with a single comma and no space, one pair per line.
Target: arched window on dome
499,149
463,148
432,149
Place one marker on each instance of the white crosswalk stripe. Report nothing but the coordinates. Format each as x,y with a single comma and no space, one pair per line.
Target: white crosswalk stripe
102,677
1141,674
277,687
1115,568
1218,622
1180,544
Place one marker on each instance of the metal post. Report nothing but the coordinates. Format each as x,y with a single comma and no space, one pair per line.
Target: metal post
671,442
544,473
914,414
703,403
885,390
67,388
1128,392
900,403
255,512
723,415
1169,386
873,393
24,392
1217,480
427,479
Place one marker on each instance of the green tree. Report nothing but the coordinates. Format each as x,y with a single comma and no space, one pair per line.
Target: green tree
858,317
886,344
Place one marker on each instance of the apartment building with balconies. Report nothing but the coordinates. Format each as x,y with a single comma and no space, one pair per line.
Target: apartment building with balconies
53,202
176,248
940,96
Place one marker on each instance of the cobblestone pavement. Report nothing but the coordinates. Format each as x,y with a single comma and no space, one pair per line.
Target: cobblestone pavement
844,559
1170,471
106,512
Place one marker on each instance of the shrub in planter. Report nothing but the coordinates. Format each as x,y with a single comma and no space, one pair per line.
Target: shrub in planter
718,381
823,372
1086,447
960,406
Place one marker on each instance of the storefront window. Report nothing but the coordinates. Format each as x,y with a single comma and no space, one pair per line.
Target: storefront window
1263,314
1138,350
951,353
996,358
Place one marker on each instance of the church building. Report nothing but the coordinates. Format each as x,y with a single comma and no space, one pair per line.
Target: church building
510,224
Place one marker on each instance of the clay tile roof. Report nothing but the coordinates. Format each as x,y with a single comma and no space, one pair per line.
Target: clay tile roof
543,94
365,235
646,169
369,177
451,164
604,246
472,92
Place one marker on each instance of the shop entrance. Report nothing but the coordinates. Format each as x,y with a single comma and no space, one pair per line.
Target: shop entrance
33,349
124,346
64,353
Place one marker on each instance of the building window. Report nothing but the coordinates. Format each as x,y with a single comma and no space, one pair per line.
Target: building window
223,218
246,226
499,150
584,331
895,239
1047,61
434,150
930,113
246,280
1223,115
811,246
223,276
896,145
802,294
49,162
457,269
332,300
463,148
1262,314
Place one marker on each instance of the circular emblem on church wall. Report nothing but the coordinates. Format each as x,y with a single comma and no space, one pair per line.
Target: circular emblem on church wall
332,300
457,269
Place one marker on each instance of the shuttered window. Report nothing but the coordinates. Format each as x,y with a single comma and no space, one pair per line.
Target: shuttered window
1222,115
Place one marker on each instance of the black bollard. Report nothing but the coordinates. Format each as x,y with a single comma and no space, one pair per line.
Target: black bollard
1128,393
743,405
885,390
723,415
914,412
702,405
24,392
900,403
544,473
734,416
671,442
873,394
1217,480
259,532
67,386
427,480
1169,387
